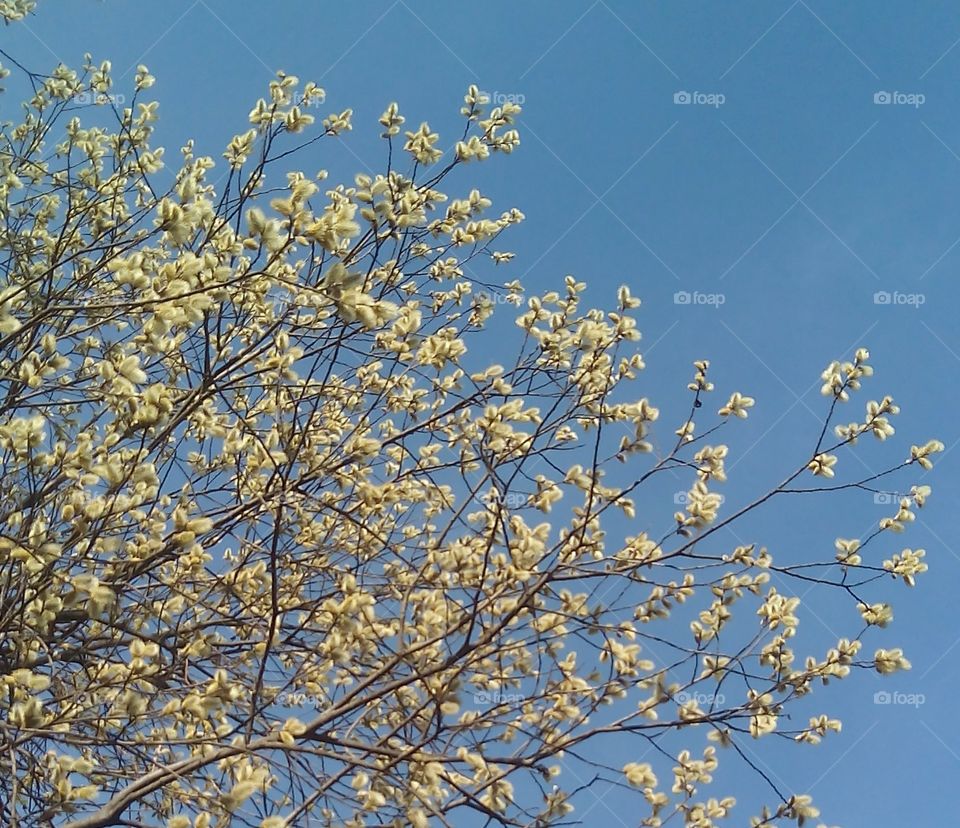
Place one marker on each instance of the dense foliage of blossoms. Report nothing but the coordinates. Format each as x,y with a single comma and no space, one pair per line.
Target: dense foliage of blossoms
272,547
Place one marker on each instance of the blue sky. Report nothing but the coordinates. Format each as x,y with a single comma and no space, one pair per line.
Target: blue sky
815,166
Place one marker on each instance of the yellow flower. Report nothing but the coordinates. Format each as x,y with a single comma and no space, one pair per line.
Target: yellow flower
640,775
737,406
822,465
890,661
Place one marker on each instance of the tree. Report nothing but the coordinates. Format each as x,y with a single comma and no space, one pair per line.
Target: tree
278,548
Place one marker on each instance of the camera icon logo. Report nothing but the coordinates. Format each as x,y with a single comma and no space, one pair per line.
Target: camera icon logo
681,297
882,97
882,697
881,297
681,97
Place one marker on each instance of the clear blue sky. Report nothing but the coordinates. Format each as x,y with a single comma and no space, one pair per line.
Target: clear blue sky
796,197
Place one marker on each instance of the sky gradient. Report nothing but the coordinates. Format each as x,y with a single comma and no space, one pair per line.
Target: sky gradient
776,180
